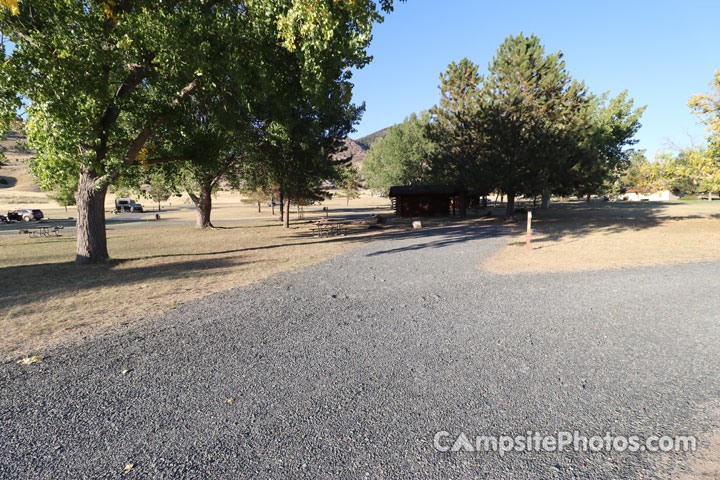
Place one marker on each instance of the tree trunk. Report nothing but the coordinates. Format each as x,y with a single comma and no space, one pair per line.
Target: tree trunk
282,208
272,205
510,207
91,237
258,203
484,201
709,196
545,203
587,198
203,206
287,213
463,207
348,200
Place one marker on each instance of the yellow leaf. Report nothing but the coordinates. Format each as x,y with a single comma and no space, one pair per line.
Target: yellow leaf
12,5
31,360
108,8
128,467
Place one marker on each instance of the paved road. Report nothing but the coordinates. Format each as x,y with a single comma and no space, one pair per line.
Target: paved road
349,368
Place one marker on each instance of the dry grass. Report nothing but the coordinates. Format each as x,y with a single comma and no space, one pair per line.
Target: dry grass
46,299
705,463
580,236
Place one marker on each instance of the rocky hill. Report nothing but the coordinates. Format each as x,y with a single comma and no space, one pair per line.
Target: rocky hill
354,151
367,141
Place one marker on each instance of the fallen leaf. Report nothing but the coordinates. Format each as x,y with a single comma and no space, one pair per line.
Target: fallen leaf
31,360
128,467
124,372
231,400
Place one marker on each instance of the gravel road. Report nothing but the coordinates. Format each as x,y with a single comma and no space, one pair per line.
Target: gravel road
349,368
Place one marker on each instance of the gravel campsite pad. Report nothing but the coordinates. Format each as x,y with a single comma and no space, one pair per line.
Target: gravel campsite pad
349,368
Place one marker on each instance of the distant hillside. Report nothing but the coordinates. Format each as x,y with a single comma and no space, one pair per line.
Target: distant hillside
368,140
12,146
15,174
355,150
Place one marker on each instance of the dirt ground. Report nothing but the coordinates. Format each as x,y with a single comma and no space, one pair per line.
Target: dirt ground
588,236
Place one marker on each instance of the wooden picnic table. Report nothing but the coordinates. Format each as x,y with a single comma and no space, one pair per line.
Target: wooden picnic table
45,231
330,227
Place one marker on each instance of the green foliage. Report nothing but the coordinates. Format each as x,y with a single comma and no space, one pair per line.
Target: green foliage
156,188
691,170
690,198
604,154
528,127
115,87
65,195
534,113
707,107
403,157
350,182
458,131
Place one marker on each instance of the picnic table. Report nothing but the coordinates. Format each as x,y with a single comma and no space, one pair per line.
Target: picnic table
330,227
44,231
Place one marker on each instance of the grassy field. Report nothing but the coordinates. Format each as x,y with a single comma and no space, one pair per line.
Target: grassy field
581,236
47,299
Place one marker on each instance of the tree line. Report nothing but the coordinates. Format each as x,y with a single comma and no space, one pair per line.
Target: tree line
527,127
182,93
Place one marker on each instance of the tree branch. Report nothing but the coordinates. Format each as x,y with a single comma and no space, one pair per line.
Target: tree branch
141,139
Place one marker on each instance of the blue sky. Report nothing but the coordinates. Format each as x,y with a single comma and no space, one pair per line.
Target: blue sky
662,52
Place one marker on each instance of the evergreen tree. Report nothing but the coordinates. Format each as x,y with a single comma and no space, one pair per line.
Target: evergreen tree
533,118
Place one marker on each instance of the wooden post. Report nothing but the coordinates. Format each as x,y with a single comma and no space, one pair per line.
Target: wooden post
529,230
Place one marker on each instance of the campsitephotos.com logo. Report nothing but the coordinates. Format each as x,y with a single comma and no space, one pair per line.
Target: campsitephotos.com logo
560,442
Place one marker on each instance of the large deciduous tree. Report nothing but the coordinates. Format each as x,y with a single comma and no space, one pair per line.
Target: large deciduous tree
103,78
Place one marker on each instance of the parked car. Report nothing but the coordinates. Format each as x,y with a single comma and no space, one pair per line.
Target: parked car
24,215
126,205
3,219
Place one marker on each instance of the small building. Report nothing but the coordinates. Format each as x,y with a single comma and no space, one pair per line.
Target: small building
426,200
635,195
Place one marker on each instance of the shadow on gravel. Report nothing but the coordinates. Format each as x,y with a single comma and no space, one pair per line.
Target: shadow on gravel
442,236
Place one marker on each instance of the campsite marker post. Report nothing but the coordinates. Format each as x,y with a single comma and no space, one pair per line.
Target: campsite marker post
529,230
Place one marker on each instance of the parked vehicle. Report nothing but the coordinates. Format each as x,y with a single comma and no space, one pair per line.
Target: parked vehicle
24,215
126,205
3,219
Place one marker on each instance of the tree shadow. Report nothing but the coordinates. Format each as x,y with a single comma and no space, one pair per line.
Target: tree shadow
566,223
573,221
26,284
441,236
7,182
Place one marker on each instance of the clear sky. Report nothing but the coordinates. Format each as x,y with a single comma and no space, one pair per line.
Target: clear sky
662,52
